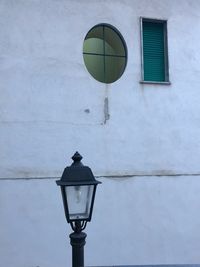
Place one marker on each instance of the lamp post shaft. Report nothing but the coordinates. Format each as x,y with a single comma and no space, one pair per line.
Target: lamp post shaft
77,240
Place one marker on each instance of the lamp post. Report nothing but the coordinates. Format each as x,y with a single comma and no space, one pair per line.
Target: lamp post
78,188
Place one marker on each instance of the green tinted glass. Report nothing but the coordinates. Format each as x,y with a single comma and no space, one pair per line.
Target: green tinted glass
114,67
95,66
114,44
94,41
104,53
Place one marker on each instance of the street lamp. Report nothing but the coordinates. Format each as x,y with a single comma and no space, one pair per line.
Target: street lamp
78,188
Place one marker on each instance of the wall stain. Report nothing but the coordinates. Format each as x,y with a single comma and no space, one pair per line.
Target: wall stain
106,110
87,110
106,105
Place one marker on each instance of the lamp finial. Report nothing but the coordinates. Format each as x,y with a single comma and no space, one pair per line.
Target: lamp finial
77,158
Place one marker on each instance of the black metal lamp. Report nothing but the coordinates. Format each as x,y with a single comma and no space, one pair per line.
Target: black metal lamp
78,188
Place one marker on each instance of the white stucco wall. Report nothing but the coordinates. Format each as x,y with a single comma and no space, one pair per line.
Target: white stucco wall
135,221
46,93
45,89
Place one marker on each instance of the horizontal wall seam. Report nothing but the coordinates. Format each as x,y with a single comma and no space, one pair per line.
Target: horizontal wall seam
105,176
50,122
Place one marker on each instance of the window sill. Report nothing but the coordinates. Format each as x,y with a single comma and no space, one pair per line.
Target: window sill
151,82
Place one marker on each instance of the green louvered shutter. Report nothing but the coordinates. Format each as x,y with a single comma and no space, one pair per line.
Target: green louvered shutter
153,51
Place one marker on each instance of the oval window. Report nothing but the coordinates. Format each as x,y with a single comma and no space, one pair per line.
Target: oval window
105,53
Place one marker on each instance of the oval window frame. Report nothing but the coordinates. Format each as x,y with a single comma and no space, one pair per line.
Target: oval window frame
102,56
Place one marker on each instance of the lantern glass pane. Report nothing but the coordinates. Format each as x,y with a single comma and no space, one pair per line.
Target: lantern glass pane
79,199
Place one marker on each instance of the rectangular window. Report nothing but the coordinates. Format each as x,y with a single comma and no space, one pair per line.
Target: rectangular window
154,51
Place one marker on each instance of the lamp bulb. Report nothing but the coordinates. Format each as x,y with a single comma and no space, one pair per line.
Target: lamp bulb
78,194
